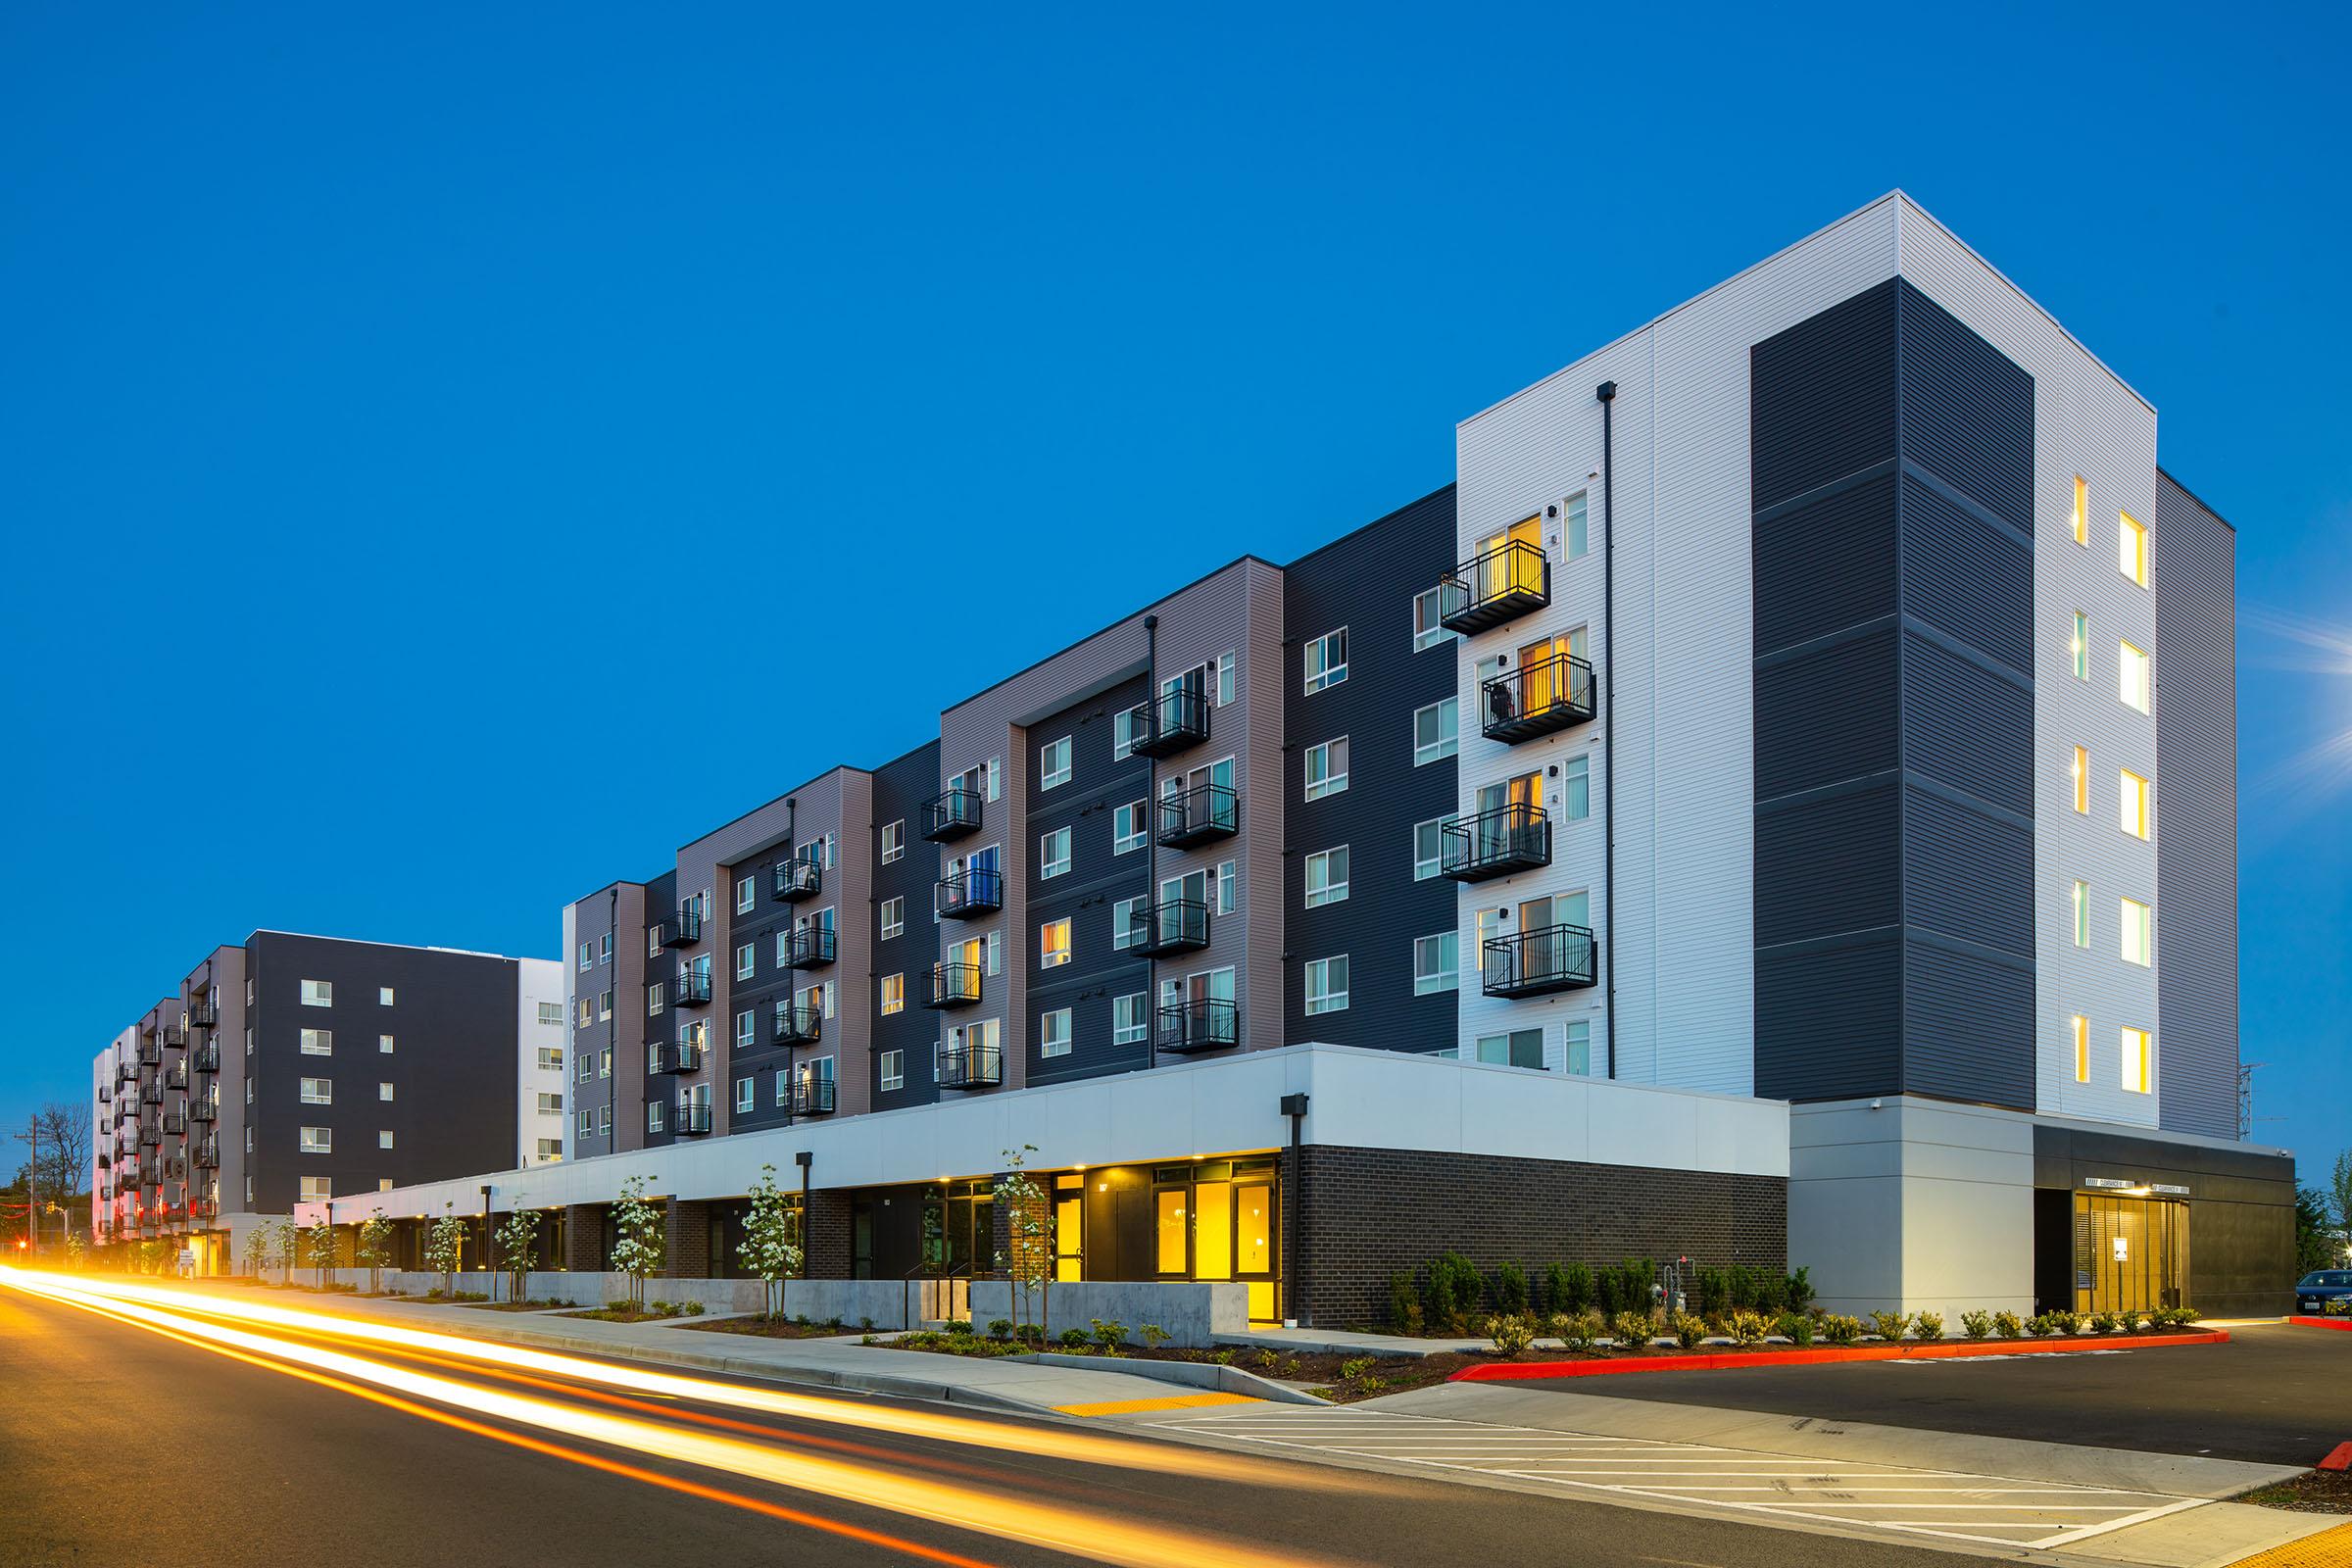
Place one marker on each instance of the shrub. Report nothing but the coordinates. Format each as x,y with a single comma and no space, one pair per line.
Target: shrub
621,1305
1032,1334
1354,1367
1074,1339
1738,1288
1578,1291
2135,1324
1632,1330
1772,1293
1799,1290
1580,1331
1928,1325
1605,1295
1797,1329
1712,1287
2341,1307
691,1308
2065,1321
1838,1329
2103,1323
1109,1336
1635,1276
1976,1325
1687,1331
1453,1292
1888,1325
1153,1336
957,1325
998,1328
1555,1289
1749,1328
658,1308
1510,1290
1511,1332
868,1323
2008,1326
1404,1304
1222,1357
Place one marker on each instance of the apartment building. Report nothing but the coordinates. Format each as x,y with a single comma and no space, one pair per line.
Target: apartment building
1722,824
293,1067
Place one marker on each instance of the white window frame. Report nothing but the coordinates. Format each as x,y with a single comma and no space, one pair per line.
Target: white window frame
1319,650
1573,771
2135,936
318,1041
1428,630
318,1091
1436,975
894,841
747,1094
1130,828
1052,775
1122,921
2134,677
1138,1007
1048,863
1321,996
894,915
383,1091
1331,783
1448,741
1437,861
745,894
1044,957
384,1044
894,1069
318,1141
1332,891
383,996
1228,884
317,993
893,994
1053,1039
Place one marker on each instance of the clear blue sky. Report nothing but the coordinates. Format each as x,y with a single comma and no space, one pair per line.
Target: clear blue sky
407,411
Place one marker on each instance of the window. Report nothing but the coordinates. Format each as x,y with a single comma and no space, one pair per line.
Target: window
550,1105
318,1140
1327,985
2083,780
548,1148
316,1189
1437,732
550,1012
1054,943
587,959
1521,1047
604,948
1054,764
2135,804
585,1067
1326,660
1127,1019
894,1070
1122,733
1574,532
1053,854
1327,769
2081,511
603,1003
318,1091
893,995
2082,1029
317,993
742,1094
1053,1033
1228,674
1579,1047
1327,877
2132,677
587,1012
2131,549
2081,647
894,840
743,895
383,1091
604,1062
652,1001
551,1058
1225,887
383,1139
744,1036
581,1123
2082,914
893,917
1575,788
318,1041
604,1121
1437,963
653,1117
1429,847
2138,941
1428,631
2138,1065
1123,924
383,996
992,779
747,963
1127,830
784,948
384,1044
249,1040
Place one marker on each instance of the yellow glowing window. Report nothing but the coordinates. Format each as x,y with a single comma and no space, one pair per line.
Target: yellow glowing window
2131,549
2131,678
2082,1050
2081,511
1054,944
2138,1068
1174,1232
2135,804
2081,781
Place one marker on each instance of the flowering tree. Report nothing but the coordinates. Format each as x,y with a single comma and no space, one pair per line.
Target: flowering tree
638,1251
319,1243
257,1249
444,1247
518,1249
74,1250
374,1249
288,1237
1028,1264
768,1249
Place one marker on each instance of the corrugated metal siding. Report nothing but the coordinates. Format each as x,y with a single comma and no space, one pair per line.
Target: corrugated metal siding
1825,564
2196,859
1827,711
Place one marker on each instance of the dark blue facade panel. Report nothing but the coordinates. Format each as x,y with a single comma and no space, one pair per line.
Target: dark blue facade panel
1966,726
1969,580
1825,407
1829,864
1826,714
1967,1026
1967,874
1830,1018
1826,565
1966,409
900,787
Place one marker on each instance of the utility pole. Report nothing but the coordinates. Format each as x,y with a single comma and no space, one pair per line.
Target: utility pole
31,1136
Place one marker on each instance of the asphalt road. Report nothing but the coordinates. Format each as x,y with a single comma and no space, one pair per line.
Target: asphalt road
2274,1394
120,1446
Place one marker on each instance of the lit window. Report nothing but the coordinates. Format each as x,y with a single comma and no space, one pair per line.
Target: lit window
551,1058
383,996
1437,732
318,1041
1326,878
318,1140
1437,963
1575,788
383,1139
1326,660
2131,549
2131,678
383,1091
2138,942
894,1070
317,993
1327,985
1053,1033
318,1189
2135,804
1127,831
1327,769
1054,764
2081,511
1429,847
1053,854
2083,780
2140,1065
894,917
318,1091
2082,1028
894,841
1054,943
2081,648
2082,914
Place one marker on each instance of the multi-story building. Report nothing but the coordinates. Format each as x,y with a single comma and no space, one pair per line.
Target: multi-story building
294,1067
1722,824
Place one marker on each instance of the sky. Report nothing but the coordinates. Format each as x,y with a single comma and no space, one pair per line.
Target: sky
452,456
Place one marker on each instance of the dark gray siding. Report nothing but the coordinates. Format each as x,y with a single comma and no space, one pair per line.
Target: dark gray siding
763,1061
1891,473
2196,852
632,1087
1366,582
900,788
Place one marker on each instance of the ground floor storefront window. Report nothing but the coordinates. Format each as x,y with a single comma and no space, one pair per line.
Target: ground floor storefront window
2130,1254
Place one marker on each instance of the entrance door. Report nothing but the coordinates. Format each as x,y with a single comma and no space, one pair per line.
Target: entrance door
2130,1254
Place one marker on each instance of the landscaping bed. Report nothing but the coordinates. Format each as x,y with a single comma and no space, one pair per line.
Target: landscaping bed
1673,1359
650,1312
781,1328
1340,1379
2319,1492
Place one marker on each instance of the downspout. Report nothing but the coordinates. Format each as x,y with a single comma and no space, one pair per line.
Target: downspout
1607,392
1151,845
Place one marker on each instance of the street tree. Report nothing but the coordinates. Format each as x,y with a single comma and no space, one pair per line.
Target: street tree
321,1248
637,1248
1028,1262
518,1251
257,1249
374,1249
288,1248
61,1162
74,1250
445,1247
768,1249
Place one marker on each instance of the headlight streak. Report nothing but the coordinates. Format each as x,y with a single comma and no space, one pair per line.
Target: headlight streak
1072,1531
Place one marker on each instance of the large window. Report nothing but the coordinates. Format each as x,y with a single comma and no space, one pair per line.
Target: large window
1053,854
1326,878
1428,632
1326,660
1127,830
2139,1067
1429,847
318,1091
2139,944
318,1041
1054,943
1437,732
318,1140
894,994
1127,1023
1327,769
317,993
1521,1047
1437,963
316,1189
2132,677
1053,1033
2131,549
2135,804
1327,985
1054,764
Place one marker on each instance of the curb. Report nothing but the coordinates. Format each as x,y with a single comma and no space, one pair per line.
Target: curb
1934,1351
2341,1324
1189,1374
2339,1458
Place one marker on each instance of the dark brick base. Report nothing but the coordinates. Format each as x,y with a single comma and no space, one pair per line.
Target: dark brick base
826,1253
584,1238
1372,1212
686,1244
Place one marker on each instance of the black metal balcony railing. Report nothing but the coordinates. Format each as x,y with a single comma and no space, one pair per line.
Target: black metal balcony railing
151,1092
797,1025
970,1066
202,1111
690,988
694,1118
176,1124
1170,722
204,1013
1201,1024
175,1034
106,1094
679,928
954,985
974,892
203,1209
812,1096
798,878
674,1055
1176,925
1486,590
1496,843
151,1136
1533,963
126,1072
175,1076
1549,695
813,948
207,1154
151,1051
1198,814
207,1057
952,815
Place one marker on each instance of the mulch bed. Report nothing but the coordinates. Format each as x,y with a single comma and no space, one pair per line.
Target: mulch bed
1341,1379
766,1328
605,1315
2319,1492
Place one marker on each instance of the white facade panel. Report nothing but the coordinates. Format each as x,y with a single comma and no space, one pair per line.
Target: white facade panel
537,982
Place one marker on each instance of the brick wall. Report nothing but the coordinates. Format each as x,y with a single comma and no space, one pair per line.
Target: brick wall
584,1238
1371,1212
825,1256
686,1249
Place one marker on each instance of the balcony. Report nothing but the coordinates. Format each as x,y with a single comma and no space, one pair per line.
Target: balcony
954,985
204,1013
681,928
1177,926
207,1057
694,1119
690,988
969,894
812,1096
674,1055
207,1154
151,1051
1496,843
1199,815
970,1066
175,1034
797,1026
150,1137
813,948
952,815
151,1092
1503,584
797,879
175,1076
204,1209
106,1094
202,1111
126,1072
1203,1024
1535,963
1170,722
176,1124
1538,699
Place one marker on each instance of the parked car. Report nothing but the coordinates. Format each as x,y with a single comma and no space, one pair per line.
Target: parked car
2315,1290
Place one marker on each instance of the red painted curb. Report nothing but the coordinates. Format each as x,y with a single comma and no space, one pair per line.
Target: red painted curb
2339,1458
1932,1350
2343,1324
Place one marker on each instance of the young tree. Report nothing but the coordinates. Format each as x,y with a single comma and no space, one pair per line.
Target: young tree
637,1252
768,1249
1029,1227
74,1250
445,1247
321,1240
2314,1245
257,1249
518,1251
374,1249
289,1250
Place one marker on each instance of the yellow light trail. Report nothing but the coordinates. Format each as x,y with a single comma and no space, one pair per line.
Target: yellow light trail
1077,1531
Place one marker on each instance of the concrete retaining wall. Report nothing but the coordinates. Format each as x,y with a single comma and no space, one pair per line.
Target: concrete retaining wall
1192,1313
888,1302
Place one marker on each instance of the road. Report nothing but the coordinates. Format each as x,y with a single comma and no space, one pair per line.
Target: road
127,1442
